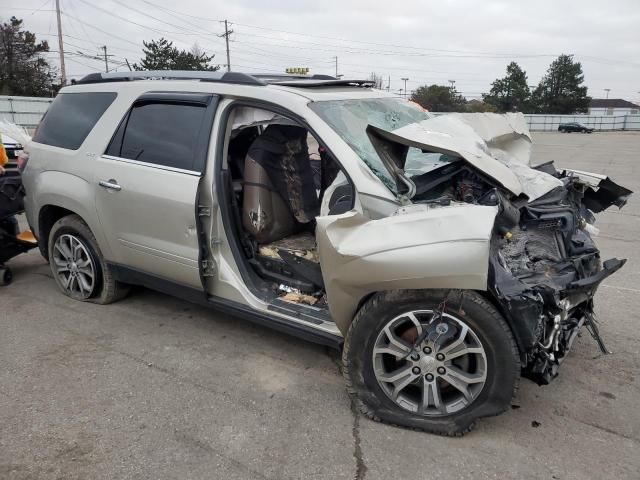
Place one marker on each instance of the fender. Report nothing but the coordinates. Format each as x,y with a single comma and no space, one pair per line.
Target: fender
419,247
65,190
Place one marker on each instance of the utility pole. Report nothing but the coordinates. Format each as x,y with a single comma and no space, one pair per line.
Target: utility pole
453,84
106,63
226,34
389,83
607,90
61,46
405,86
336,58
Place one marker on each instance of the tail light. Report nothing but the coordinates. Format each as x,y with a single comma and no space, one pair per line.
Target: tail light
23,158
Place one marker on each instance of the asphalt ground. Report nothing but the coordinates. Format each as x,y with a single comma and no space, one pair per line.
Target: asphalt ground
155,387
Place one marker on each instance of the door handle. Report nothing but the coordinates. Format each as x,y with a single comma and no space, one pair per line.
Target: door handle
111,184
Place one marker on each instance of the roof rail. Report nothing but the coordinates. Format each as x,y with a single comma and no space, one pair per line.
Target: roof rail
203,76
300,81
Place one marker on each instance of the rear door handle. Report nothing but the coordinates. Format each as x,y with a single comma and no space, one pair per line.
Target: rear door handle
111,184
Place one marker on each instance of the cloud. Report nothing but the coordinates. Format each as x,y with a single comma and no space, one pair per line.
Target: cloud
429,42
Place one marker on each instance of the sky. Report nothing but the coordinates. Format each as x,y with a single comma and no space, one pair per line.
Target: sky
427,42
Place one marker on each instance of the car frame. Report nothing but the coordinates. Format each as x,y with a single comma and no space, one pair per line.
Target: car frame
421,295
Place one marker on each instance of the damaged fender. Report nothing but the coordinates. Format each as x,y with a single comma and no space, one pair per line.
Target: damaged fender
419,247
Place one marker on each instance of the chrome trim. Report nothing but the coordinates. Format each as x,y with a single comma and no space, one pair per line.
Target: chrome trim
110,185
152,165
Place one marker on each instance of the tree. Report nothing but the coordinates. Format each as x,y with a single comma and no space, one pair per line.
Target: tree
560,90
478,106
162,55
438,98
510,93
23,70
377,79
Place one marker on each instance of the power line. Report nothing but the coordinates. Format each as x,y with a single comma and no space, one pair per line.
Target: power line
190,29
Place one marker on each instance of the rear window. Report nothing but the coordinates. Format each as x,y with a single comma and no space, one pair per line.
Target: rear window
71,117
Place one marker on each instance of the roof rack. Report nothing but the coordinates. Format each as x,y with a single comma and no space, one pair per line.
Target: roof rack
285,80
203,76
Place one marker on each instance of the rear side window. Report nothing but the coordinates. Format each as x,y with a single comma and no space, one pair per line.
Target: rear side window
71,117
161,133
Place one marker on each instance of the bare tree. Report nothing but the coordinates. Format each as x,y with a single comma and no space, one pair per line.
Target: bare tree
377,79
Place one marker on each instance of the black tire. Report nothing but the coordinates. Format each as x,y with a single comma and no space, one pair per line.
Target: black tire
562,130
106,289
503,363
6,276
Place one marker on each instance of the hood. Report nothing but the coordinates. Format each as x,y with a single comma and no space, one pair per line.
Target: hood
499,146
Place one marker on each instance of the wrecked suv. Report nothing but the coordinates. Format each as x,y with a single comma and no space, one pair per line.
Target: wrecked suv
424,246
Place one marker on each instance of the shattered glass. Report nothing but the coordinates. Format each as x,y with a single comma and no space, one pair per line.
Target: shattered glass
349,118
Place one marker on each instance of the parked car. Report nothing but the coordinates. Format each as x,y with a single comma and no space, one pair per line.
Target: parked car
13,149
574,127
435,257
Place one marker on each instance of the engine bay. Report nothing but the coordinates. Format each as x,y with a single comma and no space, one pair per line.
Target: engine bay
544,265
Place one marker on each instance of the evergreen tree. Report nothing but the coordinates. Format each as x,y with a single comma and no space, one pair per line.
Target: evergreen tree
510,93
560,90
162,55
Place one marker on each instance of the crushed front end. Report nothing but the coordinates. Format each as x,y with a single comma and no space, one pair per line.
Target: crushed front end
545,267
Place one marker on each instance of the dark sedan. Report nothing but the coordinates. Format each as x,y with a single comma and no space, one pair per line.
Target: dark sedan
574,127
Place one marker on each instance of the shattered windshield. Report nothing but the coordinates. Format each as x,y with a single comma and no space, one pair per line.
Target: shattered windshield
349,118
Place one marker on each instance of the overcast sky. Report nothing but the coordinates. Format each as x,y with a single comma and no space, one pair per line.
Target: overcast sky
428,42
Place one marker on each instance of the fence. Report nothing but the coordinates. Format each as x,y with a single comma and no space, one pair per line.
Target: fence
27,111
597,122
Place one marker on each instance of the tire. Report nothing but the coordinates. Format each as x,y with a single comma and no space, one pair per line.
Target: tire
584,130
562,130
104,289
6,276
501,360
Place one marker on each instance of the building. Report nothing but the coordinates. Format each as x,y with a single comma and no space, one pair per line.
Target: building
612,106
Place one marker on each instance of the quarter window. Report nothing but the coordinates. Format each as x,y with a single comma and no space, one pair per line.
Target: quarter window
71,117
160,133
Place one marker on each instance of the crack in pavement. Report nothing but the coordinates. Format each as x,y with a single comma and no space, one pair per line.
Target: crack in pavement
361,467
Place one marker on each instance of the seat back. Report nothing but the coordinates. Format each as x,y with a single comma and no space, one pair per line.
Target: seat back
265,215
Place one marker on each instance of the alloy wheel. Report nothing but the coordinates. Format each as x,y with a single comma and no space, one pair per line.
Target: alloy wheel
74,266
431,365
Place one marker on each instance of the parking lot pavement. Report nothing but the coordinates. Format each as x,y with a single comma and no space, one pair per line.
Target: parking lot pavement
154,387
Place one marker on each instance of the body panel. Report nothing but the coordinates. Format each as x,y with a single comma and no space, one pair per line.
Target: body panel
419,247
150,223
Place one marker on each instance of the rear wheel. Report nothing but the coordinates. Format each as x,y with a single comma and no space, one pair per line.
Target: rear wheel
437,372
77,263
562,130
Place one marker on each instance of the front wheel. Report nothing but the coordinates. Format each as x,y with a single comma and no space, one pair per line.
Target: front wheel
438,372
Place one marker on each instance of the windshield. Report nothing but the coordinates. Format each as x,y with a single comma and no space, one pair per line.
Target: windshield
349,118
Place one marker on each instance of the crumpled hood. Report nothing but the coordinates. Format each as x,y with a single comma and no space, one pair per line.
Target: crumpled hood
497,145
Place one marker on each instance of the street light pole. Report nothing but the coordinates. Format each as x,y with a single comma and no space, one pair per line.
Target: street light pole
405,86
607,90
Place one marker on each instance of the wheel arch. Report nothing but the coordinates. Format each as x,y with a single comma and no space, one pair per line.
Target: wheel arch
53,211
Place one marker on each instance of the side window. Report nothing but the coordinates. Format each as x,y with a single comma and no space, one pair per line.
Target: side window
71,117
161,133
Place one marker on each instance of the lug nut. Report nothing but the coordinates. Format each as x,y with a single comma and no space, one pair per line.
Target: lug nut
429,377
415,357
426,350
440,356
415,370
442,370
